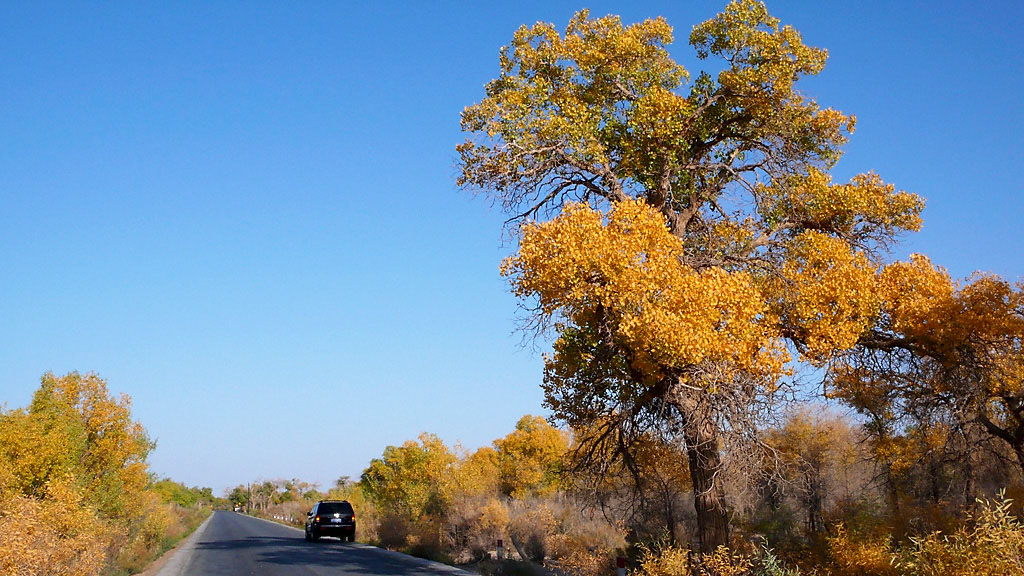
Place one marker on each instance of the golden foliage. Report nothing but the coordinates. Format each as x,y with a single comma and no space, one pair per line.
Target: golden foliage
74,427
52,535
530,458
991,543
675,561
829,293
966,342
494,519
919,298
671,561
605,95
413,480
74,477
993,547
629,270
866,203
867,554
580,560
552,88
479,472
943,318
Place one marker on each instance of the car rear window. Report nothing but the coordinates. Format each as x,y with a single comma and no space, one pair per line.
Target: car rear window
334,508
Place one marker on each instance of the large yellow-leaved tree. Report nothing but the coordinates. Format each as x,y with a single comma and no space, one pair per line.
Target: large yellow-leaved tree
73,475
680,234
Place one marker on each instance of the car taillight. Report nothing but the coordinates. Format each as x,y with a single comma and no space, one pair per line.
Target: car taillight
317,519
353,516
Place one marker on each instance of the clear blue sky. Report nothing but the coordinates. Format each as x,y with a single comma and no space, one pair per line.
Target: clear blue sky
244,215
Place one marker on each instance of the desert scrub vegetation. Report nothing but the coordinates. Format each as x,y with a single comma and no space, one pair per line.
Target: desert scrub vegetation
76,497
820,506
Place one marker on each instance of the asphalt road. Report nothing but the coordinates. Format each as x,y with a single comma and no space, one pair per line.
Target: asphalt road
232,544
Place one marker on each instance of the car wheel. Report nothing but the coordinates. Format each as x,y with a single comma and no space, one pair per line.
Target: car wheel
308,539
315,535
352,536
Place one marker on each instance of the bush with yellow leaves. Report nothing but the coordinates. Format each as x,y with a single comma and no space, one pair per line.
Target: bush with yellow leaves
994,546
675,561
51,536
991,543
73,484
580,560
858,554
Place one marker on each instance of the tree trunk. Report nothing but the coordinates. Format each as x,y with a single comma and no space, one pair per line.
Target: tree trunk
701,432
519,548
670,516
708,499
892,492
814,498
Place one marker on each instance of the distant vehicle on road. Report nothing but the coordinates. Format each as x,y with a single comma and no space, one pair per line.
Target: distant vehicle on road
331,518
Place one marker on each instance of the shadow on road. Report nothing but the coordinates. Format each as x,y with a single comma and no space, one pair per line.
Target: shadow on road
325,553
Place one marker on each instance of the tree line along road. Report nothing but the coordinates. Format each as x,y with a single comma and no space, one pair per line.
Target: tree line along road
230,544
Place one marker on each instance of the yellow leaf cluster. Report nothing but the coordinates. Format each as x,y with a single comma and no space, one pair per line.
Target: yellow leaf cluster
994,546
947,320
414,480
671,561
530,458
865,202
828,292
990,544
478,472
861,554
764,63
553,88
919,298
629,271
494,518
760,51
926,305
56,534
675,561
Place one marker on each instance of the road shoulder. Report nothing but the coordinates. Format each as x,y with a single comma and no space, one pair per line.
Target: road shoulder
174,561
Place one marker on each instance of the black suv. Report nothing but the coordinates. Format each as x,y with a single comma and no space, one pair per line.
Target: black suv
331,518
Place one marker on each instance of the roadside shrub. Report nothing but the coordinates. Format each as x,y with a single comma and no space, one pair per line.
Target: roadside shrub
475,525
579,560
156,521
530,528
393,531
52,536
425,540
